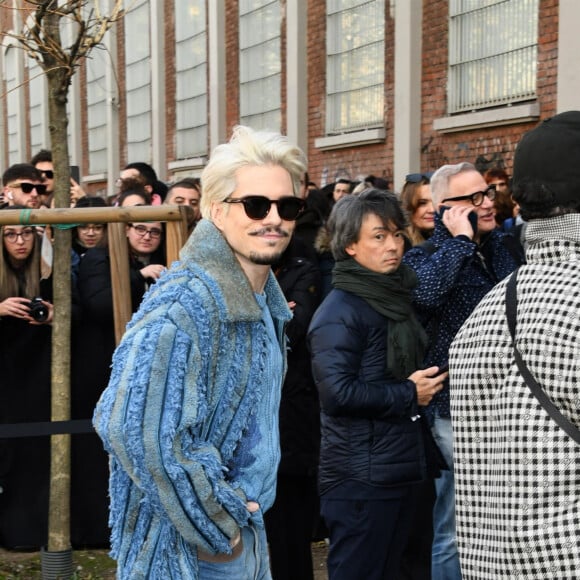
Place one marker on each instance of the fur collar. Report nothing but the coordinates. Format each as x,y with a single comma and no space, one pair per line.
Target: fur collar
209,255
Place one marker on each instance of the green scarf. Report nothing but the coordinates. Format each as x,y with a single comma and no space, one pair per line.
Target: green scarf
389,295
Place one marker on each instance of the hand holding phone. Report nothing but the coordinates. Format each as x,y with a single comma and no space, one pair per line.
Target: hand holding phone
459,220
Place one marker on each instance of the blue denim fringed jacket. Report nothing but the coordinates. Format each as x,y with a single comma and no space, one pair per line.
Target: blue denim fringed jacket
184,385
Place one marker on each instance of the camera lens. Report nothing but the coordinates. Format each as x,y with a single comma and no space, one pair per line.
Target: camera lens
38,310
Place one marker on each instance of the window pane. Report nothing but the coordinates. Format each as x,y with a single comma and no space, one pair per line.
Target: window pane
355,65
260,64
191,78
97,111
37,95
13,99
138,81
491,63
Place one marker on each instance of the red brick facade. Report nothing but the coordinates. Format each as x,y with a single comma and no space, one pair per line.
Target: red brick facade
491,144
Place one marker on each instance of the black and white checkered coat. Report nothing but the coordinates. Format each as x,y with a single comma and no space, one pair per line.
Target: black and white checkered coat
517,473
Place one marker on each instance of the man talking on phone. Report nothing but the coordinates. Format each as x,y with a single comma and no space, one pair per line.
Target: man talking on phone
462,261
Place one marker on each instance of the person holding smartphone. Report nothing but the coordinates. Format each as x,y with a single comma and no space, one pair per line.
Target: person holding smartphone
462,261
43,162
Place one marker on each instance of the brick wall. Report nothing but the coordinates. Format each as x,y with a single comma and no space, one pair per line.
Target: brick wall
436,148
494,143
356,161
232,65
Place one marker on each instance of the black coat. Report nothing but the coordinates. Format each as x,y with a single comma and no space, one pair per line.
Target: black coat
25,354
93,347
299,279
368,434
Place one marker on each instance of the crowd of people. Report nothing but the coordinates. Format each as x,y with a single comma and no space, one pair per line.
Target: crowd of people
26,275
315,351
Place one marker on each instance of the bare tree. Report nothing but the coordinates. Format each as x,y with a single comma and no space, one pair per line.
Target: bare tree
41,36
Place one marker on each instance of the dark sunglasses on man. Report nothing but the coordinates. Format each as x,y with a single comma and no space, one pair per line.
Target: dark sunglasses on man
48,173
27,187
257,207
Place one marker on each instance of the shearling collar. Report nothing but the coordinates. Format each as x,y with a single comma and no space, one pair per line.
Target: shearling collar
208,253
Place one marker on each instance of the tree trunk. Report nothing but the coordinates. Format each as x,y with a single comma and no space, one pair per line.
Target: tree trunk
60,471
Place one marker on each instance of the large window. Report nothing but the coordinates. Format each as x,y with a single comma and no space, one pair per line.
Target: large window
191,78
493,52
13,100
138,81
260,64
355,65
97,111
37,92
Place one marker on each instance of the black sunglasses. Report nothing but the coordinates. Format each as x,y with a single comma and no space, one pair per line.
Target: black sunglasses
475,198
28,187
48,173
417,177
257,207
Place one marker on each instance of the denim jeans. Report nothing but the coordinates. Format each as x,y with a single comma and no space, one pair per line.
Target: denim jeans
445,558
252,564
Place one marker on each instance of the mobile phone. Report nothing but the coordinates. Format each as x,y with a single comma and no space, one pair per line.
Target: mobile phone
442,369
471,216
75,173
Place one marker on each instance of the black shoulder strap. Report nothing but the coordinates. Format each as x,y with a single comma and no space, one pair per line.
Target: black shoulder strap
537,391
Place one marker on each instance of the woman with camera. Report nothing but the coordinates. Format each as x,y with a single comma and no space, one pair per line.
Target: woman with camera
25,335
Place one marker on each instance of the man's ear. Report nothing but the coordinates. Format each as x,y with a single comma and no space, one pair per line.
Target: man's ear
8,194
350,250
217,213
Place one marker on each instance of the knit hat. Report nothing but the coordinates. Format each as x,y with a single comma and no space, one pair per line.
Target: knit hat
549,155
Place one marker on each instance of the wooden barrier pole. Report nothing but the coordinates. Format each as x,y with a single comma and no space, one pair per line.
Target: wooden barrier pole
176,235
120,277
19,217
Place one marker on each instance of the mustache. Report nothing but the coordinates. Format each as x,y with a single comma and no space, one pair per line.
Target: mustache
271,230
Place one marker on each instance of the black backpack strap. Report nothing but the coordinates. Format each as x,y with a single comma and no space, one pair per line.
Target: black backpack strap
511,313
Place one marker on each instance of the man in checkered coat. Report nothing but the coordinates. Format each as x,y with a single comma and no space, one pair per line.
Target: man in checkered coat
517,472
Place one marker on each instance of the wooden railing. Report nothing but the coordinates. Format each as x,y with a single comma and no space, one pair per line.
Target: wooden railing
116,218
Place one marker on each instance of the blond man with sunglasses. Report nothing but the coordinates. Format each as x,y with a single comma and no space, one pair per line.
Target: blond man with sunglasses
190,416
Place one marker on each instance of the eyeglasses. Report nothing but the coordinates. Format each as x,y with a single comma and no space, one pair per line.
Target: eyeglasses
142,231
417,177
48,173
13,236
27,187
475,198
97,228
257,207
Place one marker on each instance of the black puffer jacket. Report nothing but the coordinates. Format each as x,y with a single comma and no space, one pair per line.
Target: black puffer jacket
368,434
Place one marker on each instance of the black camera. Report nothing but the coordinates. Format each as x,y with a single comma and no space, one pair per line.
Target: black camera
38,310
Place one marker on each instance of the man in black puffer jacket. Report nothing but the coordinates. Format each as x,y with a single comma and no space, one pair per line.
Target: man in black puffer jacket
366,350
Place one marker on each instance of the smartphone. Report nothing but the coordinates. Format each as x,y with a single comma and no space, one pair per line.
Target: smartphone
442,369
471,216
75,173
